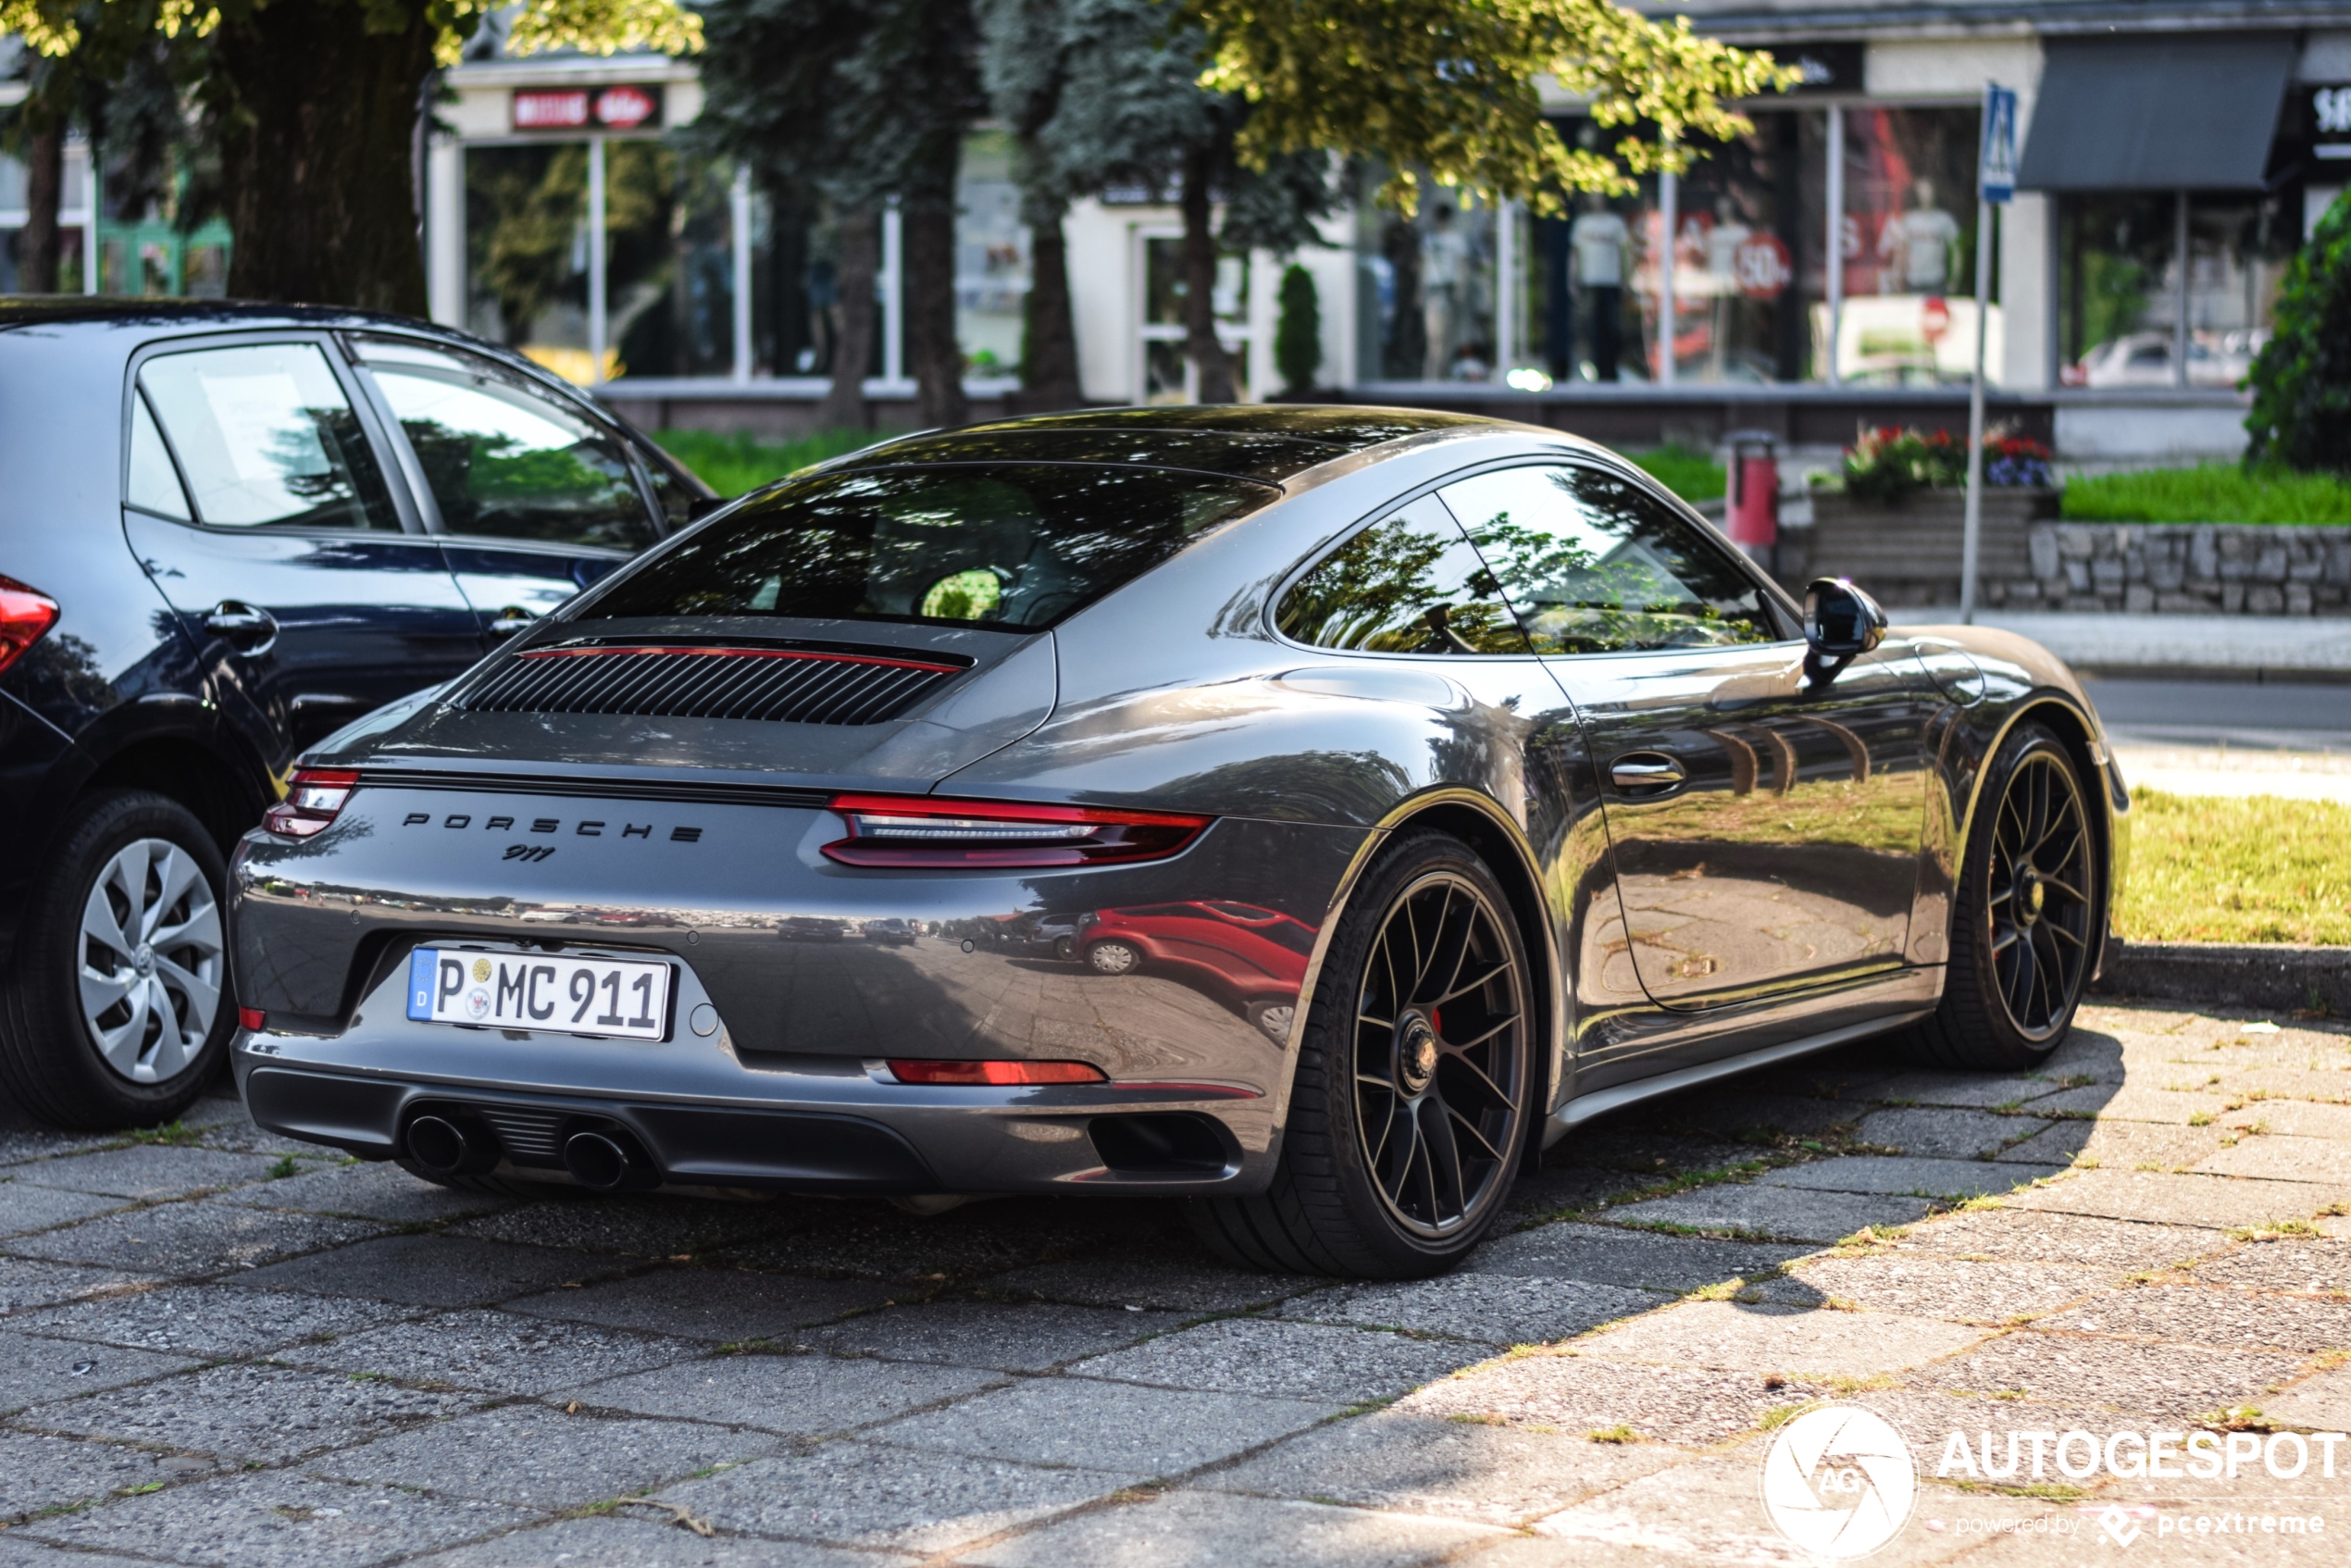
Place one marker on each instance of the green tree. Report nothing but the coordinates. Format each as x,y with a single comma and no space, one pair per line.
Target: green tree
1447,90
858,103
313,106
2301,380
1298,330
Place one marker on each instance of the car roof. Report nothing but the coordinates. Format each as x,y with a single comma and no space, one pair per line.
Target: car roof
115,310
1267,441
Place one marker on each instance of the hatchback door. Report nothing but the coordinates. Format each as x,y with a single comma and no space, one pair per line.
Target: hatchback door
1766,826
535,498
257,502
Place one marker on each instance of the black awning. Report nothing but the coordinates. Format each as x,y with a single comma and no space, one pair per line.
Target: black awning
2188,111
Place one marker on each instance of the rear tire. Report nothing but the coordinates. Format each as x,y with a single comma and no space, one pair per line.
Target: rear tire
2026,917
1415,1071
117,1008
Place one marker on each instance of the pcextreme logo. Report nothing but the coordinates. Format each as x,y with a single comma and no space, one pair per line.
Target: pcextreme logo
1839,1482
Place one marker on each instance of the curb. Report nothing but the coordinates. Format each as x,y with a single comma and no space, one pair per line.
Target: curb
2233,675
2280,976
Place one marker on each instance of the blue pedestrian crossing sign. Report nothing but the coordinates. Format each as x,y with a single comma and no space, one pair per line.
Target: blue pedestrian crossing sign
1995,176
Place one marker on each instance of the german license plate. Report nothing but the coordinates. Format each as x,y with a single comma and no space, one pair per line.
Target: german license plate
614,998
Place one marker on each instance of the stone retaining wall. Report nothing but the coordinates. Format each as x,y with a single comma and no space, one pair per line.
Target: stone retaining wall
2187,568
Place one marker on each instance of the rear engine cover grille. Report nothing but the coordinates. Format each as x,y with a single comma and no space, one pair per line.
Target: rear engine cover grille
785,685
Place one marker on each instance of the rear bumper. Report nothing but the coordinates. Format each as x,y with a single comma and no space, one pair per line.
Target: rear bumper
770,941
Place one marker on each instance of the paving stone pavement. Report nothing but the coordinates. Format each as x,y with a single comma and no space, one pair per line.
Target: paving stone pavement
219,1347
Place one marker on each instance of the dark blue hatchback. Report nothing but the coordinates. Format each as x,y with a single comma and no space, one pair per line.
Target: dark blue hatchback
225,531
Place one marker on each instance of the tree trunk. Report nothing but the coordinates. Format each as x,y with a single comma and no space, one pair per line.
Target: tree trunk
1048,366
1212,367
39,244
929,300
317,153
844,405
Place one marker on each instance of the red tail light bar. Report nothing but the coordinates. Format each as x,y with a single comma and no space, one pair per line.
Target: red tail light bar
923,830
313,798
25,618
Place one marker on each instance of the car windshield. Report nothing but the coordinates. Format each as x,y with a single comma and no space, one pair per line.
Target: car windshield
1016,546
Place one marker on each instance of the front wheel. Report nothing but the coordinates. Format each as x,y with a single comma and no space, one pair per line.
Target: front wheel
1409,1105
2024,923
117,1008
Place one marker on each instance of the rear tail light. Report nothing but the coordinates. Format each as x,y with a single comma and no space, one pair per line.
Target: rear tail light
921,830
312,800
252,1018
25,617
912,1071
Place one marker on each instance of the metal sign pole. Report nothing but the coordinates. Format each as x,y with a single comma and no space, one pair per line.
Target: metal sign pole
1996,182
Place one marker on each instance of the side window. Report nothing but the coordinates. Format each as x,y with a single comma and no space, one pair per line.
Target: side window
154,484
267,439
676,498
1409,584
503,459
1593,563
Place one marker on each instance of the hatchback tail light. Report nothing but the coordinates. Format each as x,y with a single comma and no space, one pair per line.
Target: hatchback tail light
25,618
908,1070
922,830
312,800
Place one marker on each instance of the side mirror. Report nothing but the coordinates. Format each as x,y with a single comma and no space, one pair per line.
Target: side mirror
1840,623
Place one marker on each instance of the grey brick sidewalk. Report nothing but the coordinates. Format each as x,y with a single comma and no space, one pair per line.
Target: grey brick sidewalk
223,1349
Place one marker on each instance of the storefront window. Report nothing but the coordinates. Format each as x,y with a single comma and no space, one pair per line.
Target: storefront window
2118,288
527,252
795,296
992,257
73,199
1907,244
670,290
2238,248
1167,370
1428,288
1739,258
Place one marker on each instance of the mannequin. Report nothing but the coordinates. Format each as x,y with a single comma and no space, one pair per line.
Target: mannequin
1916,246
1600,237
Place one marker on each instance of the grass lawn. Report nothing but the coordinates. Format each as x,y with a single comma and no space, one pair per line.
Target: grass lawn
1689,474
2212,868
2216,492
731,465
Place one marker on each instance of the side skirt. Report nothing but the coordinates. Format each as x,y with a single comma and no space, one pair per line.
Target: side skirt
1583,1107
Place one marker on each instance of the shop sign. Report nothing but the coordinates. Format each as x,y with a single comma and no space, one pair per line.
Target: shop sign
2330,120
627,107
1762,266
1821,67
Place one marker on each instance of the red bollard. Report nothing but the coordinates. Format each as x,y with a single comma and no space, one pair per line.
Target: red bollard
1752,516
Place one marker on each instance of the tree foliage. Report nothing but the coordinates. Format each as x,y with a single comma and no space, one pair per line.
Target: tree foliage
594,27
1448,90
2301,380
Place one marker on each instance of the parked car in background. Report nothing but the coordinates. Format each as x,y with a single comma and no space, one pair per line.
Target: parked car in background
227,531
1253,958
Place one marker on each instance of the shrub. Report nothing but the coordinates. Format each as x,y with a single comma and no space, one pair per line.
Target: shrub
2301,380
1297,332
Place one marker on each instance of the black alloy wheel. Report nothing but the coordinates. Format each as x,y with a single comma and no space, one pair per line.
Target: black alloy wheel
1416,1074
1439,1043
2040,898
2026,916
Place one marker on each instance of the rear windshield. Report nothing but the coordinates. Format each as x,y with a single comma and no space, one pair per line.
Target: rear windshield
1015,546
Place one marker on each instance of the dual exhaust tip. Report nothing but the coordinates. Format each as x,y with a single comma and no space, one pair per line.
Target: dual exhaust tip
605,1160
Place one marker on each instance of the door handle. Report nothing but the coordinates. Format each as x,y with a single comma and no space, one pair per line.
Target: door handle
1646,772
248,629
511,619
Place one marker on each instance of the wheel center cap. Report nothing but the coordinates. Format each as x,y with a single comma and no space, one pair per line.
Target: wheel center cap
144,959
1415,1055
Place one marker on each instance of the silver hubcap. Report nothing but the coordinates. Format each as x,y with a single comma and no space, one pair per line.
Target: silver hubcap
152,961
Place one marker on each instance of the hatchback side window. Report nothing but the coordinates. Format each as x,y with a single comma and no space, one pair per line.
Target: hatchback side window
267,439
503,459
1411,584
1594,564
154,484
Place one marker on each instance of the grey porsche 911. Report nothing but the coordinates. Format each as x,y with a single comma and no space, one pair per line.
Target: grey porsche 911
1307,812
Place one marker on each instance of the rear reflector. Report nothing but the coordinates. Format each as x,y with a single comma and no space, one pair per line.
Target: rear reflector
911,1071
923,830
25,617
252,1018
313,798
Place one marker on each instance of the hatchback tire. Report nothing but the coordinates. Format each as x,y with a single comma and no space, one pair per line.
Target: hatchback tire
2026,919
1413,1083
117,1008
